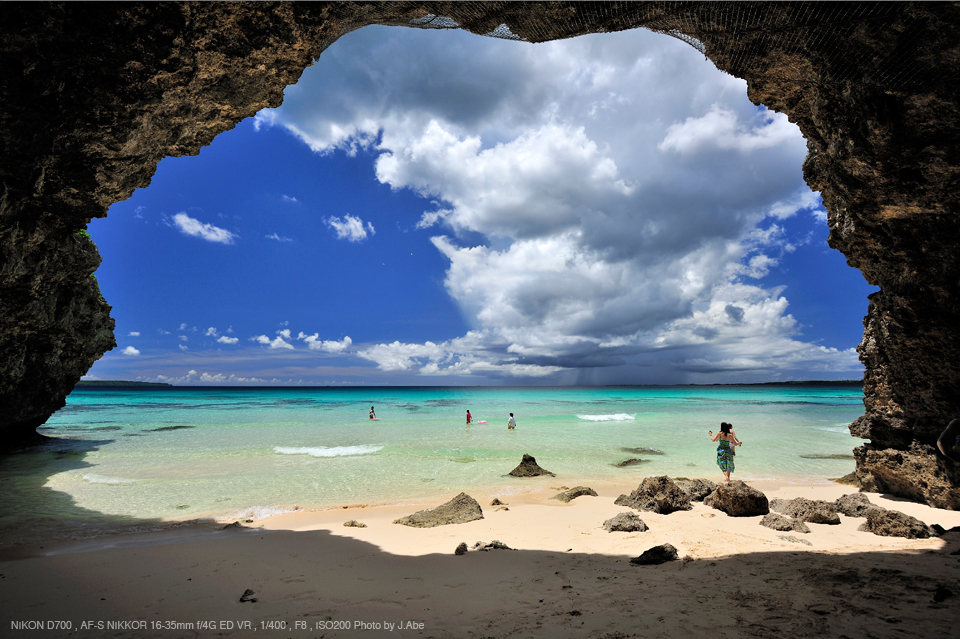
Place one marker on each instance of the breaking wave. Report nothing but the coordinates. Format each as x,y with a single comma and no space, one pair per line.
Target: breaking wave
323,451
619,417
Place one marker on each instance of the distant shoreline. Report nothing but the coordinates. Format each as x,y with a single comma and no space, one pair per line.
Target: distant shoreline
158,385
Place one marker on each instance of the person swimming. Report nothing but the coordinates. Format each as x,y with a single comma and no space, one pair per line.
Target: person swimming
373,413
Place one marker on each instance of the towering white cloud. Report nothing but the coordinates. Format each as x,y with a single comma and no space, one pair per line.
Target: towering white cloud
626,195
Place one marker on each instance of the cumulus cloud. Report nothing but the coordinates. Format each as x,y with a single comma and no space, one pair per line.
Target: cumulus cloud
211,332
130,350
611,227
330,346
228,340
289,199
133,334
278,238
196,228
350,228
277,342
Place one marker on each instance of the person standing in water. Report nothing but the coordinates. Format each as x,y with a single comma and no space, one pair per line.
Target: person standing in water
373,413
469,418
725,449
511,423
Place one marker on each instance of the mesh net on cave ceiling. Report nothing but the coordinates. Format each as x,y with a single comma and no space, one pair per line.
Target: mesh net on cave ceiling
794,36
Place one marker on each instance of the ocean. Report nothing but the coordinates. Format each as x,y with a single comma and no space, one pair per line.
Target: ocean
144,457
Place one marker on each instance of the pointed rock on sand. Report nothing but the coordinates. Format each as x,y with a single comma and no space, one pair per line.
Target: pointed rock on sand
528,468
459,510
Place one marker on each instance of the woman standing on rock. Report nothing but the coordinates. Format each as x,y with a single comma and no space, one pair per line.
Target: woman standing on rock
725,449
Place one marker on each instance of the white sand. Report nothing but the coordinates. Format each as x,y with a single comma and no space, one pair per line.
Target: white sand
568,577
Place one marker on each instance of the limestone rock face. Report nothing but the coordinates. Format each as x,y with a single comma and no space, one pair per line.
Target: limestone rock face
917,473
461,509
657,494
737,499
893,523
528,468
103,91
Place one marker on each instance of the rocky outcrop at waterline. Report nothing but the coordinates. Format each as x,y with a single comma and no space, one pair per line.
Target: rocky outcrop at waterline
94,95
528,467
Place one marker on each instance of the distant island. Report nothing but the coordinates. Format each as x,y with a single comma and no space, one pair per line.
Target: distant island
119,383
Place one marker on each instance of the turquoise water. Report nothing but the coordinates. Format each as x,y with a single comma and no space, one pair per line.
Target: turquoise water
182,453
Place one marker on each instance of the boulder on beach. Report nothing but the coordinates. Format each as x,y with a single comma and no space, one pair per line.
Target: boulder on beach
656,555
577,491
658,495
737,499
893,523
461,549
778,522
353,523
528,468
459,510
497,502
813,511
625,522
854,505
698,488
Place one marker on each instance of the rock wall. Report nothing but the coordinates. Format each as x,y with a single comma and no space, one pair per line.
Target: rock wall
94,95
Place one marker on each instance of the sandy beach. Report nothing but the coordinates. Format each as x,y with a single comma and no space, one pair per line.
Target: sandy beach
311,576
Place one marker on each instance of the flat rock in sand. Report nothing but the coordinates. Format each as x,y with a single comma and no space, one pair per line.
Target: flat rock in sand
656,555
777,521
854,505
893,523
814,511
577,491
737,499
658,495
528,468
625,522
459,510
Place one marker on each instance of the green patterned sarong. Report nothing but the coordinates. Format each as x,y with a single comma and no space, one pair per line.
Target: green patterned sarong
725,456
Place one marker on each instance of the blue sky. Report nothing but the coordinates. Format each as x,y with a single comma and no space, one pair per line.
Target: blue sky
434,207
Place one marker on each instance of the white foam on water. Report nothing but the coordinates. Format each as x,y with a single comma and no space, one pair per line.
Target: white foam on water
257,512
323,451
619,417
842,428
101,479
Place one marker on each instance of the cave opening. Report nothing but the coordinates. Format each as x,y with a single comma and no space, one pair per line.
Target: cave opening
108,91
344,227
